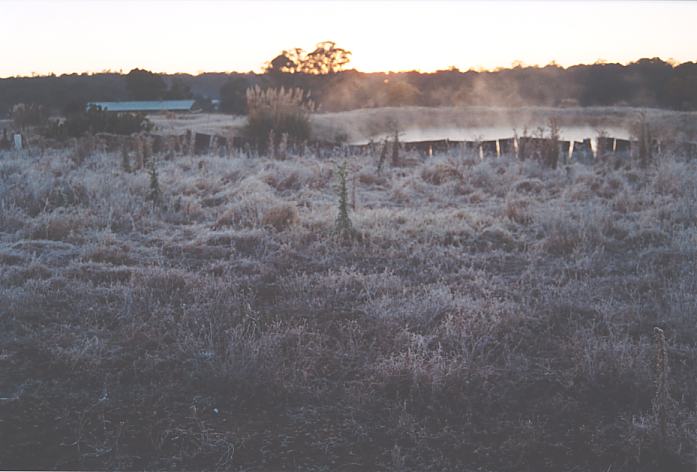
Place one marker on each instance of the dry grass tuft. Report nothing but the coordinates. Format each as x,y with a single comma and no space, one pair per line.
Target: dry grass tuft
517,210
110,254
281,217
441,173
34,271
371,178
57,226
533,186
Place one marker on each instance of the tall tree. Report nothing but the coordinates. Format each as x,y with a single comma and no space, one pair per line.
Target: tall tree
178,90
326,59
233,95
289,61
145,85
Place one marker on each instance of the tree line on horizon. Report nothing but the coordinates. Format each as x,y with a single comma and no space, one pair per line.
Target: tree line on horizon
647,82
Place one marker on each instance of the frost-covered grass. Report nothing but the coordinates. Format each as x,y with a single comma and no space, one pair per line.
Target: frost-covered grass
491,316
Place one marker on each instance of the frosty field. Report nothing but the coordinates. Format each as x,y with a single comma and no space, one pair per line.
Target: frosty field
490,315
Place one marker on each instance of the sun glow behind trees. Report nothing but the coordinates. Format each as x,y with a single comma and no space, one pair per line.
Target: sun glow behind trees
181,36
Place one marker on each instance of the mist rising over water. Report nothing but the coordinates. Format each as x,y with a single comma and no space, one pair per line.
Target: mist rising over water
484,133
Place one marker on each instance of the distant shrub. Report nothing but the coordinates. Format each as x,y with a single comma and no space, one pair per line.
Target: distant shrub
95,120
143,84
25,115
275,112
232,95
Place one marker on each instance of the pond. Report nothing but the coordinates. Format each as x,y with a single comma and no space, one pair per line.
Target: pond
485,133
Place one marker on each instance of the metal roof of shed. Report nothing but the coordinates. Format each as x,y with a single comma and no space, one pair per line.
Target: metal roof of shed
143,106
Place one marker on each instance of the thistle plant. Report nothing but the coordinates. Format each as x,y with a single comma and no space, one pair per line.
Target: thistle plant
283,147
141,156
155,194
271,146
644,141
83,148
552,151
395,149
344,227
353,191
125,159
383,156
661,399
147,148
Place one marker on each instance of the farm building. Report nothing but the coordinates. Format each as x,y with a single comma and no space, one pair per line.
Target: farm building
154,106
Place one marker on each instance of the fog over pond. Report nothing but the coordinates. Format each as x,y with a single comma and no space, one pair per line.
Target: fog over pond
484,133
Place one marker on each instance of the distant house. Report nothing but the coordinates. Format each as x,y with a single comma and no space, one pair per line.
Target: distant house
155,106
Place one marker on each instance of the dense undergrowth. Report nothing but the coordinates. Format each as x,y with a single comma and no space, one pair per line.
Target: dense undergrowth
491,316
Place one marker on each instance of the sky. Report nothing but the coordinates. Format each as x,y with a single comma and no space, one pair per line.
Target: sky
57,36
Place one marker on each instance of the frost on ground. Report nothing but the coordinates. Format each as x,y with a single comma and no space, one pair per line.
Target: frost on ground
490,315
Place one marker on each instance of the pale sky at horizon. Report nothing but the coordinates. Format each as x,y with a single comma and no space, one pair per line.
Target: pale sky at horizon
217,35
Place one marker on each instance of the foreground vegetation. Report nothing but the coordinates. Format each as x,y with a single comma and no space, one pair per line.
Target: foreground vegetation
486,315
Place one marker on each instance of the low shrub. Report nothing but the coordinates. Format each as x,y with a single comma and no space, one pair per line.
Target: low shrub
95,120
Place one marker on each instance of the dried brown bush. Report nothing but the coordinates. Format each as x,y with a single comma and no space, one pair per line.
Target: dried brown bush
58,226
441,173
517,210
281,217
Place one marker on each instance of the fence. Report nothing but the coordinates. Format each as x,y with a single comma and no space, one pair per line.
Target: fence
523,147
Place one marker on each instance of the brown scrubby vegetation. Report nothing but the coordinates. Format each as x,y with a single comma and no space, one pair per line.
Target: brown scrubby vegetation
493,315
